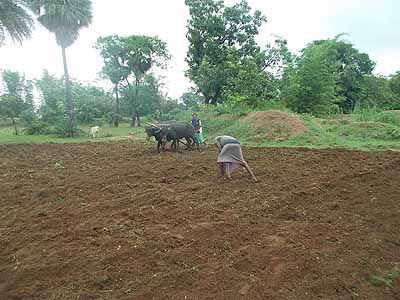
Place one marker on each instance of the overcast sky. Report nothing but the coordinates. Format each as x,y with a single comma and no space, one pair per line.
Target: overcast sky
372,25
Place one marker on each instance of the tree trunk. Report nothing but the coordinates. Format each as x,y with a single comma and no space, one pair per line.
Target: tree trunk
15,126
68,94
137,118
217,96
136,102
133,118
116,120
132,104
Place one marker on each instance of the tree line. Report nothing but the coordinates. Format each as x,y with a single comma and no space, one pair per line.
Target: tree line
228,66
47,114
225,64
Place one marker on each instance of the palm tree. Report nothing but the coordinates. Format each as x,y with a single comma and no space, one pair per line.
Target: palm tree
15,20
64,18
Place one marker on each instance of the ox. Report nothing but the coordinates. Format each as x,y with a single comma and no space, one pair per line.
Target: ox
94,130
176,131
155,130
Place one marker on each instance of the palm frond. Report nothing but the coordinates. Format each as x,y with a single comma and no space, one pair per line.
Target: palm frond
63,18
15,20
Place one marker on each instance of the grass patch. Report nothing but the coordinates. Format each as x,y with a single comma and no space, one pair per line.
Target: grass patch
106,133
373,115
366,130
387,278
344,132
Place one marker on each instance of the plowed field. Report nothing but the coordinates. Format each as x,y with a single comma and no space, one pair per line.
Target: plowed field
118,221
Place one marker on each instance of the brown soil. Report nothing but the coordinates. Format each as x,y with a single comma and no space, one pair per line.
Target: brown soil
277,125
118,221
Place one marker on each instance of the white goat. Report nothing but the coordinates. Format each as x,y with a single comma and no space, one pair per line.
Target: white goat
94,130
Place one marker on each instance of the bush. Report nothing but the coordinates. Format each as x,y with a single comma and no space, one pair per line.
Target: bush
60,127
27,117
326,110
388,118
272,105
37,127
85,117
375,115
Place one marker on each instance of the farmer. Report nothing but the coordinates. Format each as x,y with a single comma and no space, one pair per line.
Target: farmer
198,129
230,156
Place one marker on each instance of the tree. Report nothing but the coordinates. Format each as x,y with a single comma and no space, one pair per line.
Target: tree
141,53
15,20
341,82
20,95
131,58
14,83
312,85
11,107
217,33
52,100
150,99
394,83
169,108
246,82
191,100
65,19
254,79
28,91
351,67
375,92
91,103
150,95
112,50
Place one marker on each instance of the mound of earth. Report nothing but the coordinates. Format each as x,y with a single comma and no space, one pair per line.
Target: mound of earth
277,125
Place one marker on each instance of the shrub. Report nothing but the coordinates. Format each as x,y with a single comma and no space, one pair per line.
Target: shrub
27,117
60,127
389,118
37,127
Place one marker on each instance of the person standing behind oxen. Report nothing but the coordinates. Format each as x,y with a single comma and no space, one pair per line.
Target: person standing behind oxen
198,129
230,156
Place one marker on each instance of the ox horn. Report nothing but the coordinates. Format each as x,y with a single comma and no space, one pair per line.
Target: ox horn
151,124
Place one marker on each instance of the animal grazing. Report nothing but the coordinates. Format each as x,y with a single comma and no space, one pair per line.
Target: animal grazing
94,130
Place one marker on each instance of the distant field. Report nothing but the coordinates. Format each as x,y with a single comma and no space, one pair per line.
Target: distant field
106,133
271,128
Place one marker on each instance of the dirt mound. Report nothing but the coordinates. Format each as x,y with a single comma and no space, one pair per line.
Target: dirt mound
394,111
276,124
118,221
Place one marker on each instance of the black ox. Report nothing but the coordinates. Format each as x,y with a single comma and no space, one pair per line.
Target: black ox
171,131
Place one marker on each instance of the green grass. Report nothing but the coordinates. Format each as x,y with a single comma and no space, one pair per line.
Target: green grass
379,131
106,133
366,130
339,133
386,278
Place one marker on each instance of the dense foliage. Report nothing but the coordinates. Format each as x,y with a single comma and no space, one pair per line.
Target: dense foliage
333,76
127,61
16,100
15,20
93,104
225,62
